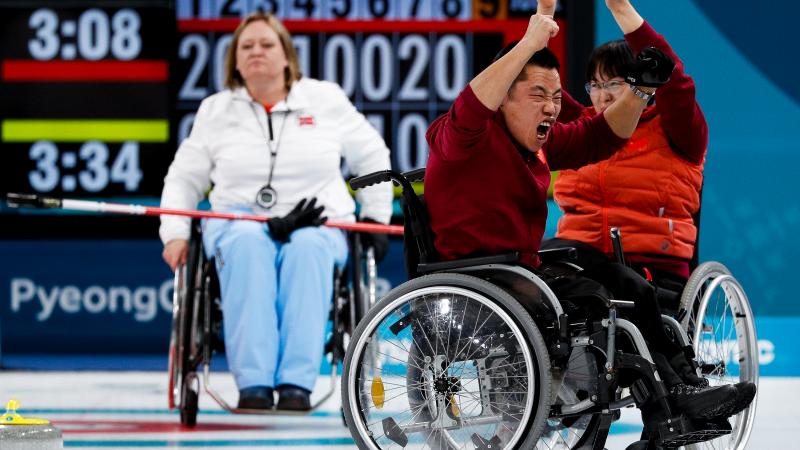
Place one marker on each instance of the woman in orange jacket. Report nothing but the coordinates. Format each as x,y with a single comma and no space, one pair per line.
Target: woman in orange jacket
650,188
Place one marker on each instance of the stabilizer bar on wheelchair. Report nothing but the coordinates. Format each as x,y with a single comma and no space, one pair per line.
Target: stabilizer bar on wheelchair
39,202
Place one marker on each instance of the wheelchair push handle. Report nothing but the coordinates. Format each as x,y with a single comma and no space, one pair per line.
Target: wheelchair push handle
402,179
616,242
372,178
415,175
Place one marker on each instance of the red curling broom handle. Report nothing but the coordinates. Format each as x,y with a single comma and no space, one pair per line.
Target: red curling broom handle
35,201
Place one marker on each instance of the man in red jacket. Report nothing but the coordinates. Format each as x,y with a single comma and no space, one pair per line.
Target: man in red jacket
490,156
489,170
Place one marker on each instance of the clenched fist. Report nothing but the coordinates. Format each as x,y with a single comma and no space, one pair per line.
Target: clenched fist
540,30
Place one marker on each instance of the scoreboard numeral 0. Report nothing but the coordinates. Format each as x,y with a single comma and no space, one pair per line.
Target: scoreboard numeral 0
94,33
343,45
185,126
412,149
449,83
376,50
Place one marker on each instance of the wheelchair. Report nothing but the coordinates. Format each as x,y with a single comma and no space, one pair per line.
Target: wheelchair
197,324
478,353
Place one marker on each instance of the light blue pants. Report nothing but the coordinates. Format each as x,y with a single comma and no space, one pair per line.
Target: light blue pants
276,299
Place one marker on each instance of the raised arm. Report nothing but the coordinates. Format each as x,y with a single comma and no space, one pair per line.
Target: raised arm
681,117
492,84
625,14
623,115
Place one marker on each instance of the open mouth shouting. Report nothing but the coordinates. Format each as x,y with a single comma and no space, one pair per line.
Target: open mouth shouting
543,128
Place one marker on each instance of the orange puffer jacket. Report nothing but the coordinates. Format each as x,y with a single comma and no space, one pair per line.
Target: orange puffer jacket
644,189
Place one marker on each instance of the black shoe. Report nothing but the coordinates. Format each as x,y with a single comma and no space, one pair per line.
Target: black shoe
745,393
256,397
711,403
293,398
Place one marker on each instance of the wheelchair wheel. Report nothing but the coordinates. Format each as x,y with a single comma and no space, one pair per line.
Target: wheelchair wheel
189,399
578,381
174,362
461,365
184,334
365,277
720,324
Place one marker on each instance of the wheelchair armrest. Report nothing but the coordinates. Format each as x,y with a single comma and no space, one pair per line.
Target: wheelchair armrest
558,254
507,258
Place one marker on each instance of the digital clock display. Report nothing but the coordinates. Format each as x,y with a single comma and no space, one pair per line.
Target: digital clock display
86,100
97,95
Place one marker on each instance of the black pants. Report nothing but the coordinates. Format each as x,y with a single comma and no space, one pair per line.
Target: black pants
614,280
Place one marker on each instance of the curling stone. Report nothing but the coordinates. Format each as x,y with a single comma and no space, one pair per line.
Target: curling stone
27,433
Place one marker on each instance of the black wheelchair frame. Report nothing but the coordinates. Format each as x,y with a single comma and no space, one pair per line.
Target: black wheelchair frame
559,333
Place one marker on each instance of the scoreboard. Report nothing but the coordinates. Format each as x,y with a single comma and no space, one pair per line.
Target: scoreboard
97,95
85,108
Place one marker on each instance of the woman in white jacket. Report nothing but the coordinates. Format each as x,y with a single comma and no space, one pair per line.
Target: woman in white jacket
271,143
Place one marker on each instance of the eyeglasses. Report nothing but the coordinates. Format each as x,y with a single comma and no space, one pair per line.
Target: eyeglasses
612,86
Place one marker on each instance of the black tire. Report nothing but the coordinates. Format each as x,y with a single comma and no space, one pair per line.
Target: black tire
183,362
534,419
189,405
363,281
727,305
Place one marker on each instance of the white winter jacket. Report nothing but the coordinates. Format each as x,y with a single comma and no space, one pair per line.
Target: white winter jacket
312,130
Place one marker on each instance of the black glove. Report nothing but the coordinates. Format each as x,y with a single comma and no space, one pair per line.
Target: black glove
651,69
378,241
303,215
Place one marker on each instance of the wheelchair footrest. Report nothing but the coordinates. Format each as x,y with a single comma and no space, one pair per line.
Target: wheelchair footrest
681,431
701,432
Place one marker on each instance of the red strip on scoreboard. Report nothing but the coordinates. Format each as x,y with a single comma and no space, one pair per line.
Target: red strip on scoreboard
152,71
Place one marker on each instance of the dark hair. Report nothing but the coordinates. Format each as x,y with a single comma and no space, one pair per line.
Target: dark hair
611,59
543,58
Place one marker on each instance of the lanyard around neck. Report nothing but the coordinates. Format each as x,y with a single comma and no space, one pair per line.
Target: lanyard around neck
271,144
